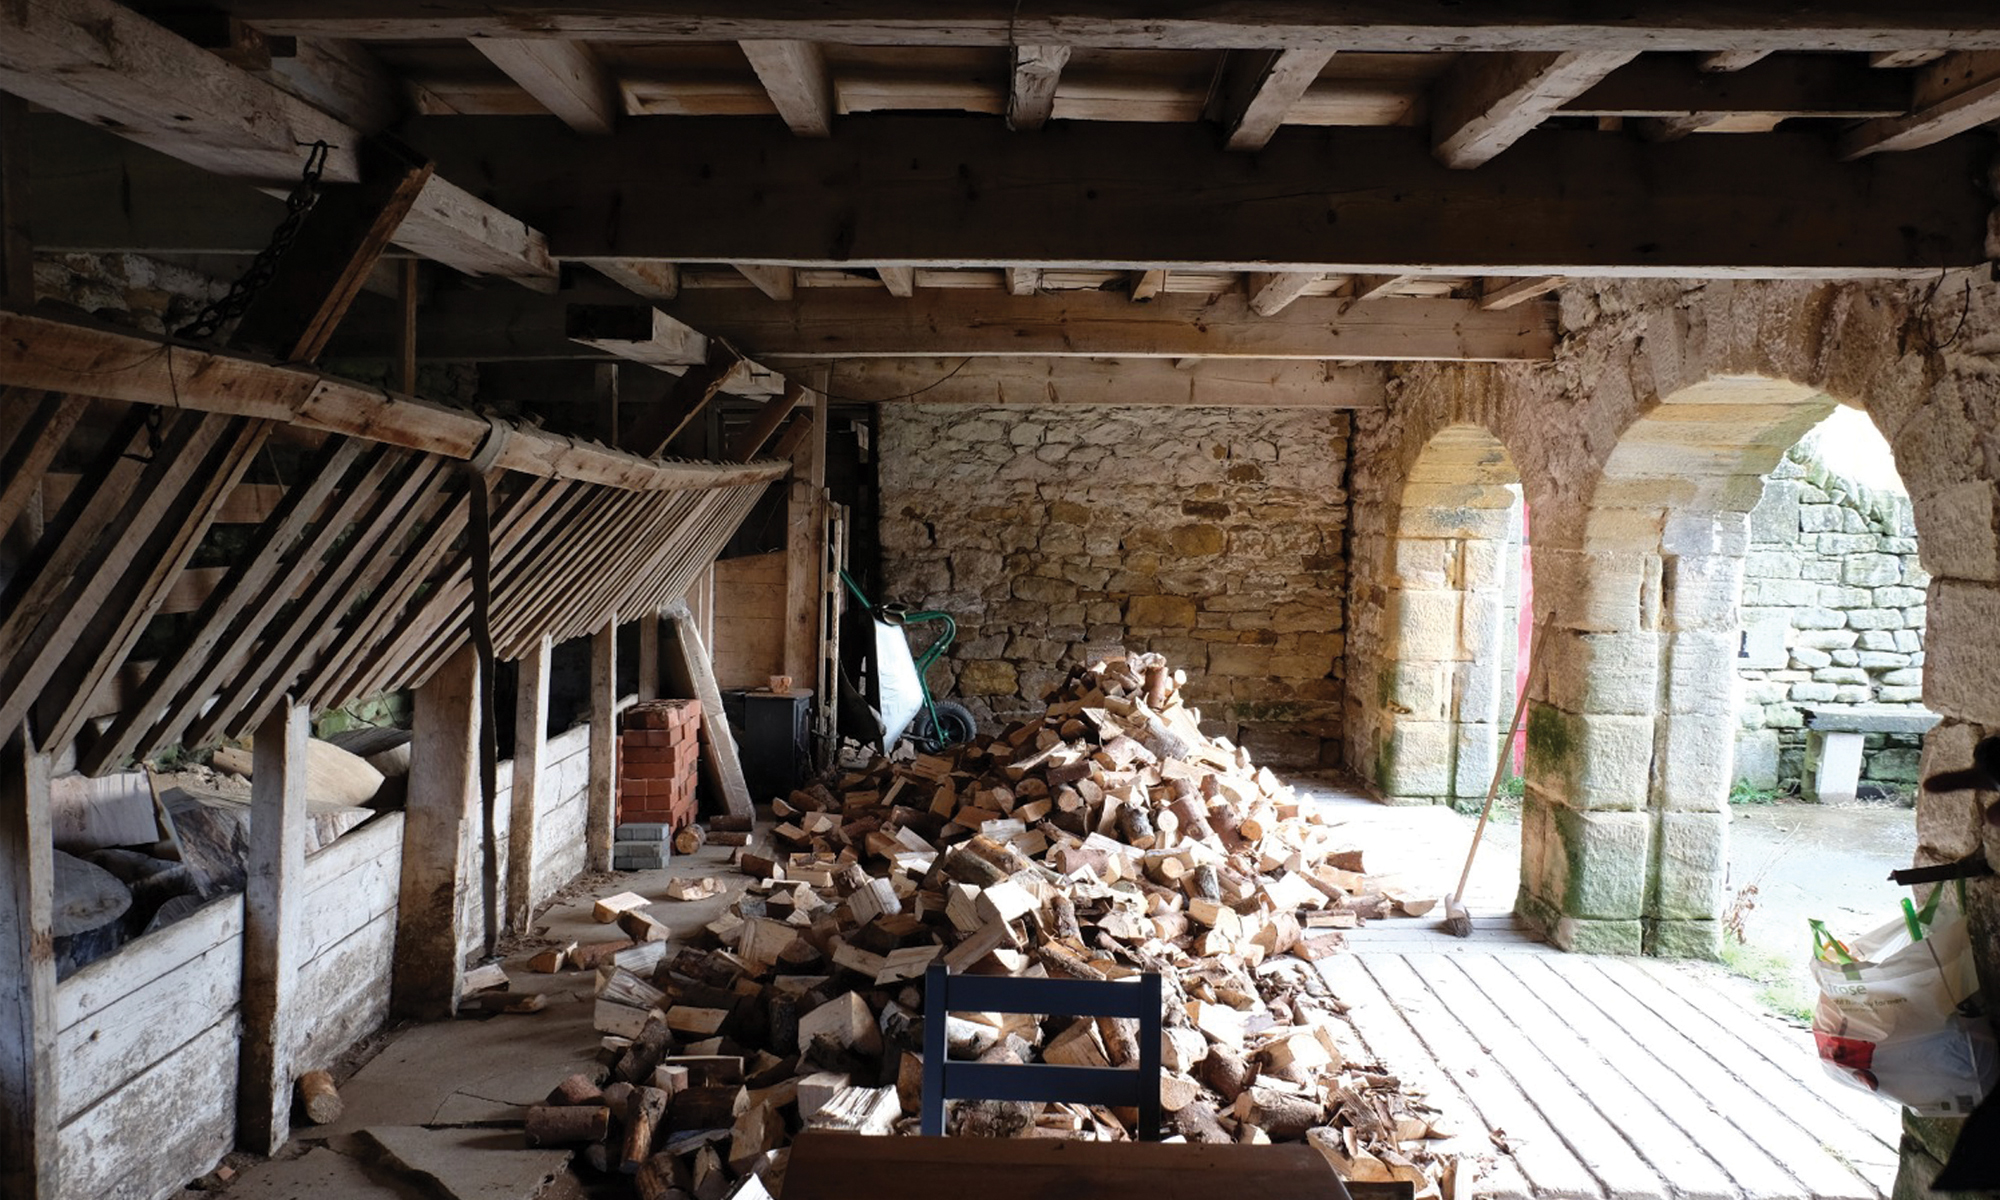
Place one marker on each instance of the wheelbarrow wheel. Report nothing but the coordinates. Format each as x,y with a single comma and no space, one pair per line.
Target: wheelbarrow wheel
955,725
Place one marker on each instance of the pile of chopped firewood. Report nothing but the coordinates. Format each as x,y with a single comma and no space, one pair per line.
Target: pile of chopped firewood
1107,838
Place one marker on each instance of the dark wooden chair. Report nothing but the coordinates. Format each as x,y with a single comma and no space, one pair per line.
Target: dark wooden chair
1120,1086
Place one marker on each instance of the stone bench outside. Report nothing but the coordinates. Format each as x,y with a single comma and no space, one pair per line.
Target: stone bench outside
1834,739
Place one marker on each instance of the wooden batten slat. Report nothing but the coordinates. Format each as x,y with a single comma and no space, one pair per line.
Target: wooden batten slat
621,561
43,353
673,527
520,600
68,592
245,580
263,681
44,426
136,598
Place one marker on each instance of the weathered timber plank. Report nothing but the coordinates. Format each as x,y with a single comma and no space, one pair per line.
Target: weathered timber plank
1569,202
38,352
436,826
273,896
29,1167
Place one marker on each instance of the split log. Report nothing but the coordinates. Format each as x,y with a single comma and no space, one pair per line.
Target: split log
576,1090
607,910
1281,1114
707,1107
1197,1122
643,1114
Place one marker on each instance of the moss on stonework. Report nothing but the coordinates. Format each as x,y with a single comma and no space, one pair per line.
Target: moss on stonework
1385,766
1548,734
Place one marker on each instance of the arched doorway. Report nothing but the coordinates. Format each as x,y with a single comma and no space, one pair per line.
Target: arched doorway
1446,687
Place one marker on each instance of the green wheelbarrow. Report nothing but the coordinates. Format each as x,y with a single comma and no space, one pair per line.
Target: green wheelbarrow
905,705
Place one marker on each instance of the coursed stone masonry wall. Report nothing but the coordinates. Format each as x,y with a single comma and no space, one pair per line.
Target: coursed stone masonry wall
1212,535
1833,617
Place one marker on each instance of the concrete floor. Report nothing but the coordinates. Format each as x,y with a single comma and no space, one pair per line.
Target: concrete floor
443,1099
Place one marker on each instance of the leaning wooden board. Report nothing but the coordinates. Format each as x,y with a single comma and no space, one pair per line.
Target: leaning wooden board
846,1166
689,669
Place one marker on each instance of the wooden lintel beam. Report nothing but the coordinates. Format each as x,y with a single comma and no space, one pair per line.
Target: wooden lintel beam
1506,293
1956,93
1124,382
1732,60
1487,102
100,62
564,77
901,281
637,332
1271,291
1031,95
1567,202
794,73
37,352
1258,89
779,283
341,239
1380,25
846,324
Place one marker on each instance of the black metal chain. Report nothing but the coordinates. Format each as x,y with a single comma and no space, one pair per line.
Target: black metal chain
211,319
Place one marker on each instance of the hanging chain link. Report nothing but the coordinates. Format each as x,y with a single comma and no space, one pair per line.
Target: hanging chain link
211,319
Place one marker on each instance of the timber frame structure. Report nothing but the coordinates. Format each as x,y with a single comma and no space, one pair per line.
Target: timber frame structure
675,232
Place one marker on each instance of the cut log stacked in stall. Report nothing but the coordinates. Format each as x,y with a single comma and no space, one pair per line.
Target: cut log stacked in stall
1107,838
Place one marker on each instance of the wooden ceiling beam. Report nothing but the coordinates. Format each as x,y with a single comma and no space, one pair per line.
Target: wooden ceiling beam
637,333
794,73
1956,93
1258,89
1032,92
1487,102
1271,291
1732,60
1378,25
1123,382
1802,85
1562,202
1896,59
564,77
1023,281
1147,284
100,62
1506,293
1376,287
645,279
38,352
901,281
842,324
778,283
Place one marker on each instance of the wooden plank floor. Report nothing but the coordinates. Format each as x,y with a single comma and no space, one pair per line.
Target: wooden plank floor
1607,1077
1602,1077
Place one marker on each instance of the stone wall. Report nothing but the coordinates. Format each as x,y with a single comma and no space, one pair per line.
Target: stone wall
1833,616
1211,535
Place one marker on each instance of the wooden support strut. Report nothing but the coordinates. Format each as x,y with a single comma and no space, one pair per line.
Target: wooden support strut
29,1160
531,742
273,933
443,766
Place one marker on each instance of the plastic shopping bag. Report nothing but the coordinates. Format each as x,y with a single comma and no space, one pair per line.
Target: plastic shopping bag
1899,1012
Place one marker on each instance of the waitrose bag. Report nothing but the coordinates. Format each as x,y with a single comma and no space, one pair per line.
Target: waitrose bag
1899,1011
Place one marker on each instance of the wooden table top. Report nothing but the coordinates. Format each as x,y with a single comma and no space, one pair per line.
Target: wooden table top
847,1166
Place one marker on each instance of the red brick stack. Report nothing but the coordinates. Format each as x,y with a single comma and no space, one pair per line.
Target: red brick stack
658,755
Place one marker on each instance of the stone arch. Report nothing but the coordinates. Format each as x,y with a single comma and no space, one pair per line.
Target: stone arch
1446,687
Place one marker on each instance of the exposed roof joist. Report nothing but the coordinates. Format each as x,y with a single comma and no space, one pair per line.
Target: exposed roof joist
1126,382
942,192
1381,25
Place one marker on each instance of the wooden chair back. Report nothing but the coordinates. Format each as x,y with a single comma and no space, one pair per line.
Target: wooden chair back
1120,1086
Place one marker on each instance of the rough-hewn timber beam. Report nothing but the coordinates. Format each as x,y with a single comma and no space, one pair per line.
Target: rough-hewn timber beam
1271,291
563,77
1490,101
1032,93
36,352
1259,88
1953,94
847,324
101,62
794,73
1385,25
635,332
1124,382
953,193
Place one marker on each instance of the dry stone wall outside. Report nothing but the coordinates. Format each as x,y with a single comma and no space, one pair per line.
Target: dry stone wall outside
1214,536
1834,606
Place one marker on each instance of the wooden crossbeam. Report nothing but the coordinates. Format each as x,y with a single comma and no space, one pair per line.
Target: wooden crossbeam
103,63
1953,94
1569,202
37,352
1506,293
844,324
1378,25
564,77
1147,284
769,416
1122,382
779,283
647,280
1031,94
1375,287
1271,291
1488,102
794,73
1258,89
901,281
636,332
337,245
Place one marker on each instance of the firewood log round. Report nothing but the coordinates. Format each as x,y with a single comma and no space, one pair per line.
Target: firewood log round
1063,917
320,1098
1226,1072
1137,826
1198,1123
689,840
562,1125
1203,883
576,1090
